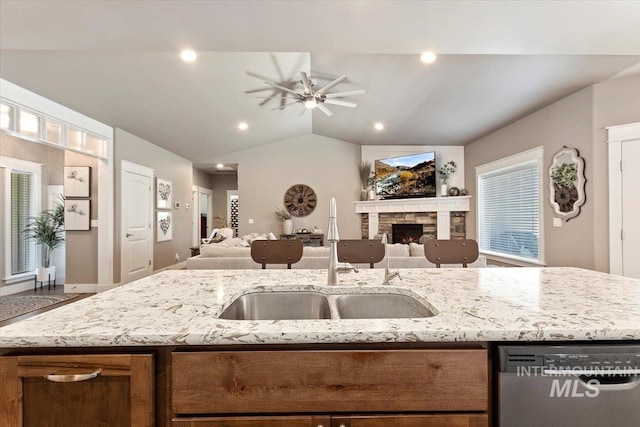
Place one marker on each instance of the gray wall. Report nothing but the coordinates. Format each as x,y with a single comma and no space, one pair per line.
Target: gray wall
615,102
220,183
201,178
576,121
81,247
168,166
327,165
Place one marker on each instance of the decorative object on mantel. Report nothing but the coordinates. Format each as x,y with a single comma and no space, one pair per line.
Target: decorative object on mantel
464,192
365,180
300,200
445,172
287,222
567,183
454,191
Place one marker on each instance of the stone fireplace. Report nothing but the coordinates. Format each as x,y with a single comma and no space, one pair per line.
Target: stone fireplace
406,233
440,217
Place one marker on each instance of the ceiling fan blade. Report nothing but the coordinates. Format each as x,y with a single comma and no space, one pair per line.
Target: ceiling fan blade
286,89
274,97
332,84
305,82
339,102
285,105
349,93
324,109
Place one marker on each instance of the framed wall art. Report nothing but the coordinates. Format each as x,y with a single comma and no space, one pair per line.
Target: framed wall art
77,215
163,194
164,227
77,181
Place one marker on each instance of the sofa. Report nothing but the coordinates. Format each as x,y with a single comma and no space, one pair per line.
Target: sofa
215,256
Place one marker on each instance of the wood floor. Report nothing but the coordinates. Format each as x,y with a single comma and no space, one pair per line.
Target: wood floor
58,290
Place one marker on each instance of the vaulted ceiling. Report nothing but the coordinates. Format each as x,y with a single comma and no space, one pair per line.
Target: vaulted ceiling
497,61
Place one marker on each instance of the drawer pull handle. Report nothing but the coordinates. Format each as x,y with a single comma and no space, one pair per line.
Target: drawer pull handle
73,378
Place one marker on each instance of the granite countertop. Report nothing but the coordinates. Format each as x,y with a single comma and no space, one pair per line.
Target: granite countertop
486,304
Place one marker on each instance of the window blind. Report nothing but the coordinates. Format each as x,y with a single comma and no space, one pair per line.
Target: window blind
508,220
20,210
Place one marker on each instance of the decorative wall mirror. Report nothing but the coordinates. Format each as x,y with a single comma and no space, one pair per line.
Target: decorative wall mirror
567,183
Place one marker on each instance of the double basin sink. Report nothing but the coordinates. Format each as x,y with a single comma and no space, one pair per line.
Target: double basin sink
298,305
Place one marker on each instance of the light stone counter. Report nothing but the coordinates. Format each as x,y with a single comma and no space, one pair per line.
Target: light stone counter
489,304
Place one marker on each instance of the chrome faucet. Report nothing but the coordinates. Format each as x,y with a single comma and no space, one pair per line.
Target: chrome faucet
388,275
335,268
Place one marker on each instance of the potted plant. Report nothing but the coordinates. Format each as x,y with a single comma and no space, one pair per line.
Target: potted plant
47,230
445,172
287,223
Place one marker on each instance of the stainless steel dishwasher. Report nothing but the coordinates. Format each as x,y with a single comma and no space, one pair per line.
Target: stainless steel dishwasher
565,386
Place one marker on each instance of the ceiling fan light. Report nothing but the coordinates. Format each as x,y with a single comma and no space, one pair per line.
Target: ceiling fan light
428,57
188,55
310,103
243,126
378,126
219,165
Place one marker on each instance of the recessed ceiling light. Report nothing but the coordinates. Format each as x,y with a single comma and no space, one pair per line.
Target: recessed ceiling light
378,126
428,57
219,165
188,55
243,126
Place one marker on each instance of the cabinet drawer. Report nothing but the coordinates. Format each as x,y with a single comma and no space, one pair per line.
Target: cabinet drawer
329,381
444,420
292,421
114,389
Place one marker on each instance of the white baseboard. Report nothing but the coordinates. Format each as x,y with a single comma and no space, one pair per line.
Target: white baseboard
80,288
16,288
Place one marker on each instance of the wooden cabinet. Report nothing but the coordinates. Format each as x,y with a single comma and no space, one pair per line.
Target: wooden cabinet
274,421
426,420
77,390
330,381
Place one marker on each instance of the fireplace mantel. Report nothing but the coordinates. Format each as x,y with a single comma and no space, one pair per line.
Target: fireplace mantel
442,205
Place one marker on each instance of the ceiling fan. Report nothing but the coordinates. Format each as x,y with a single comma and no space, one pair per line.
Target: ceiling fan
311,98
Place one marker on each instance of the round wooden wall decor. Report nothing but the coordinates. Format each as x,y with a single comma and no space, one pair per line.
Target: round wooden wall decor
300,200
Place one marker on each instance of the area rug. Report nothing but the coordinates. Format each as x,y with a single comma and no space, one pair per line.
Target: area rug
12,306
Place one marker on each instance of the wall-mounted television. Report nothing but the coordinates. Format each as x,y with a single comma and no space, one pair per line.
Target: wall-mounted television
406,176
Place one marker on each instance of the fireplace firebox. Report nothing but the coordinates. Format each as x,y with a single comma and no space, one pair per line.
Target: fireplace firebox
406,233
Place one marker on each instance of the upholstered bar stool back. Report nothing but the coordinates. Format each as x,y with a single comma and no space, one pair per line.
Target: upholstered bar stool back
457,251
361,251
276,252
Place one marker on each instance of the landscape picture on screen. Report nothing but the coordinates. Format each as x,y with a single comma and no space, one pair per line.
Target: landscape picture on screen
406,176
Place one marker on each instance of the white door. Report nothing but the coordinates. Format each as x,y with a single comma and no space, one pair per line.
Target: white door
630,208
137,221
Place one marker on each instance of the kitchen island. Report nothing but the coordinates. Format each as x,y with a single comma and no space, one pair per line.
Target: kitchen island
206,371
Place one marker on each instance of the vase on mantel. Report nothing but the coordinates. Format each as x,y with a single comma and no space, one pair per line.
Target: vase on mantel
287,226
444,190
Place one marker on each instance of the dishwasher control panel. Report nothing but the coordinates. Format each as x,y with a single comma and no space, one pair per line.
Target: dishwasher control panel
593,357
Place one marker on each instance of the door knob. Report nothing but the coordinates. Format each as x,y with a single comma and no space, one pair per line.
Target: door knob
128,235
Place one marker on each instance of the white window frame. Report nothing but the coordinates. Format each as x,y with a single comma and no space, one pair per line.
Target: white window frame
533,156
8,165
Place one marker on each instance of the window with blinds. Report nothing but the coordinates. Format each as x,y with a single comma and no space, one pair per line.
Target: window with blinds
21,253
509,217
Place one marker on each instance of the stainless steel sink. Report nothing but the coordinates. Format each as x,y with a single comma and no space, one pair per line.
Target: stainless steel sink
299,305
278,306
380,306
